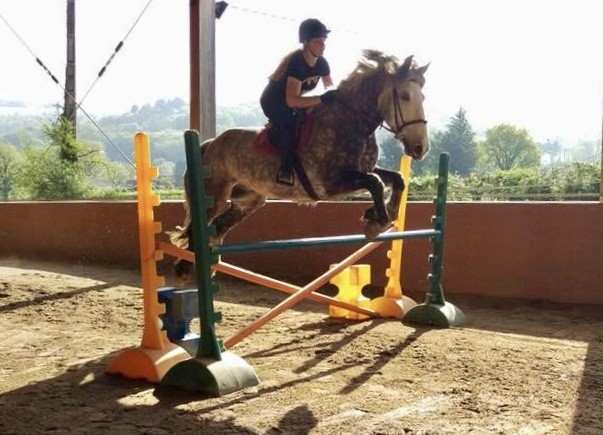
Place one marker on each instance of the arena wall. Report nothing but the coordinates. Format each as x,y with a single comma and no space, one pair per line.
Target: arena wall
544,251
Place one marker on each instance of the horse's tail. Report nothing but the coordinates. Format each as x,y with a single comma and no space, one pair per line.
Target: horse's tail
181,235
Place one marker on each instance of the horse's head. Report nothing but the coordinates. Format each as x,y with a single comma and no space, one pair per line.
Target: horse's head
400,103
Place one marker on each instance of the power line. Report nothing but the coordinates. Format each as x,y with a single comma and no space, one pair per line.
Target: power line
262,13
282,17
54,79
115,51
28,48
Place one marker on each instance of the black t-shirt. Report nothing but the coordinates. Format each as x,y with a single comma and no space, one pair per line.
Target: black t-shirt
273,96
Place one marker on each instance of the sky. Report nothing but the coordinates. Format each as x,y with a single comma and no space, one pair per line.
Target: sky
536,64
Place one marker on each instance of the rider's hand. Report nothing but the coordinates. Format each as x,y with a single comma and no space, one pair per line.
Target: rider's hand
329,96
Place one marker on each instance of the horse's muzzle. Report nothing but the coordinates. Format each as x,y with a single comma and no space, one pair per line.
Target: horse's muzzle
417,150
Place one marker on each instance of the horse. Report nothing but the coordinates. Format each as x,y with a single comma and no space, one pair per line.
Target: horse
338,158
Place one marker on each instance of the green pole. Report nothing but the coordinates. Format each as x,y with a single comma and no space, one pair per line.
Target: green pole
436,310
209,345
312,242
436,293
213,370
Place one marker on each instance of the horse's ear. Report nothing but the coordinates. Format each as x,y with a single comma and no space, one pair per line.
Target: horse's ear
421,70
405,68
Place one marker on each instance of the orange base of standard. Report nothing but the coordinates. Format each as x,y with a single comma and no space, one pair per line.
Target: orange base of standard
392,307
146,363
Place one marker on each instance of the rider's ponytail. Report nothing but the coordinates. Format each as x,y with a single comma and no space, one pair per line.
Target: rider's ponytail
279,72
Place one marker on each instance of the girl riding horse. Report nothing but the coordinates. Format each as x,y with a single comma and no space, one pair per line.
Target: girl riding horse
339,157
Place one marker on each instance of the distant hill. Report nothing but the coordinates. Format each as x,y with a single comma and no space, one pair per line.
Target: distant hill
164,120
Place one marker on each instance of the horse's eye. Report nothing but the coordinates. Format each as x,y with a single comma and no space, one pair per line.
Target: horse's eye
405,95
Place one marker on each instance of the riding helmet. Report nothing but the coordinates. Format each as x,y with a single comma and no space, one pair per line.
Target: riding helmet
312,28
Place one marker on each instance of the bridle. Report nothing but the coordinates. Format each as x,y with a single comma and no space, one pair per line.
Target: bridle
399,117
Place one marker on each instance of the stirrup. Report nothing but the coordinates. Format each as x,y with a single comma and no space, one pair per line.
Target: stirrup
285,176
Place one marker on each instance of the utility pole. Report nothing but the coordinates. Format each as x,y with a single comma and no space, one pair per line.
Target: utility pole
70,106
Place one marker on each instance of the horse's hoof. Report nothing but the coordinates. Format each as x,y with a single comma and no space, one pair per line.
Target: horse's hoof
370,214
183,272
372,229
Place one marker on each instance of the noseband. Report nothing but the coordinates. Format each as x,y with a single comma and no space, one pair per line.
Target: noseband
399,117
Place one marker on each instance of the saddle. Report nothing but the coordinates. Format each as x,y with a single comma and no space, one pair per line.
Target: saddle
263,145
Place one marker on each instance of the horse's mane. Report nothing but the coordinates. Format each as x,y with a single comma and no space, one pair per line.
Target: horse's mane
375,62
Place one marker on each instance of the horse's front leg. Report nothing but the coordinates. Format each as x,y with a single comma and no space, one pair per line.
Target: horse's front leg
396,181
375,218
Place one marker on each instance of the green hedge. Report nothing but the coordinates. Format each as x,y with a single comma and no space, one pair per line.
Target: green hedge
574,182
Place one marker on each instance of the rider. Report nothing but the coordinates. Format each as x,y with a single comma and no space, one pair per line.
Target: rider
298,73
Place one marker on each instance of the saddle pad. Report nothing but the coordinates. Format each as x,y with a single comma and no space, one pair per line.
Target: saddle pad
262,144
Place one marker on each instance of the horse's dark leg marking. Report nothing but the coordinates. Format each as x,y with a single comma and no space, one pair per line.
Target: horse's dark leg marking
396,181
219,190
242,204
376,217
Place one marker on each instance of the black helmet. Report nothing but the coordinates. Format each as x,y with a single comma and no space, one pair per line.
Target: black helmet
312,28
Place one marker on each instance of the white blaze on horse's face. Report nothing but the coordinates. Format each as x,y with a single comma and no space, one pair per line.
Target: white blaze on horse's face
401,105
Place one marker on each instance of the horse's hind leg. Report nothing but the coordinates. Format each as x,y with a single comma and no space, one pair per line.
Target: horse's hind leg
396,181
242,204
375,218
219,190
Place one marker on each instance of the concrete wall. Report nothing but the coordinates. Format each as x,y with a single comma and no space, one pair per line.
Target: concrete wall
548,251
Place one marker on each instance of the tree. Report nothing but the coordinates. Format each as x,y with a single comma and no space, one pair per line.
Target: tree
61,169
44,175
9,167
507,146
62,135
459,140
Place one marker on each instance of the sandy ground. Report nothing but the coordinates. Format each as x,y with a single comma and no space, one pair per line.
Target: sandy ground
517,367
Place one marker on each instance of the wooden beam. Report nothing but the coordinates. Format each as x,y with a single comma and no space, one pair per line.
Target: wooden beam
202,68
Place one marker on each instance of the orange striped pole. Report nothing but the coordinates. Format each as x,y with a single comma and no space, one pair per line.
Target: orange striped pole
301,294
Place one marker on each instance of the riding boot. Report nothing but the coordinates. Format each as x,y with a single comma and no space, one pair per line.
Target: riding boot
285,173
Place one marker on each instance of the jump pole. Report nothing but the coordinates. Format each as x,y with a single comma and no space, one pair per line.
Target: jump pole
302,293
156,354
